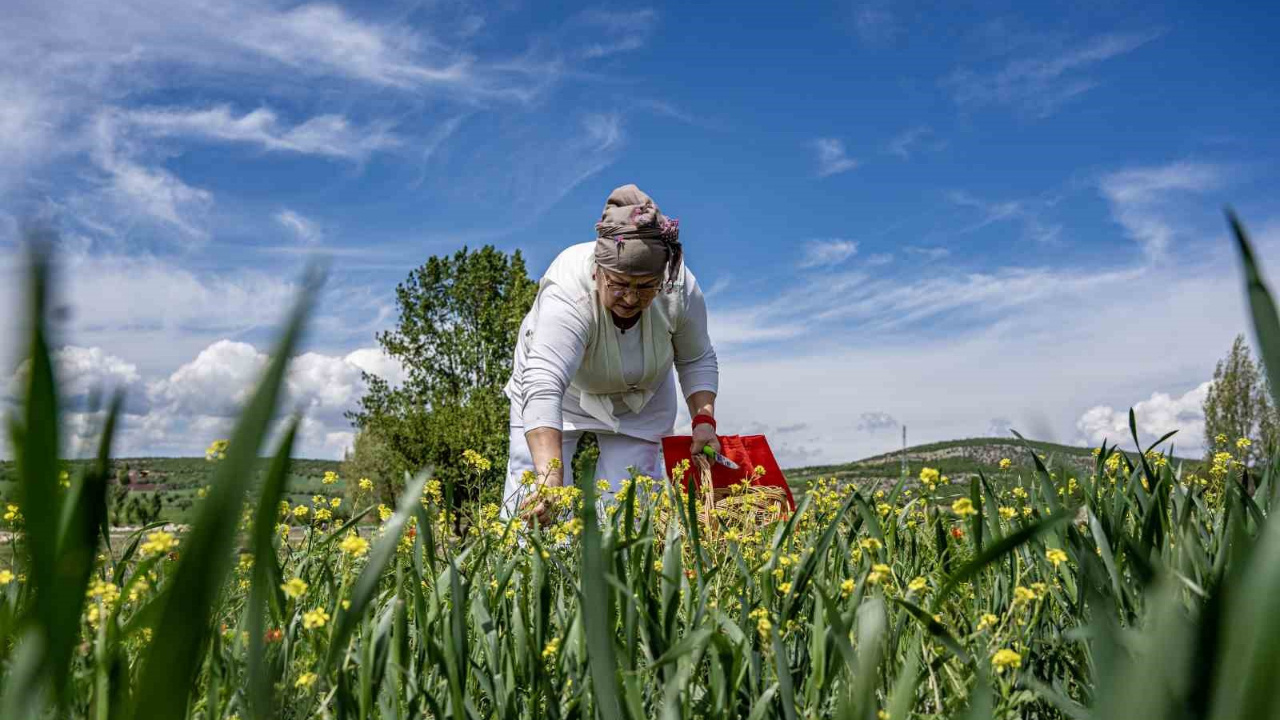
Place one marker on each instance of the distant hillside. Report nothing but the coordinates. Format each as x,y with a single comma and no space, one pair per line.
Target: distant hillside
168,486
958,459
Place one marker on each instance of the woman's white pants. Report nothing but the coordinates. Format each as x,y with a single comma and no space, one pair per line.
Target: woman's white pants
618,454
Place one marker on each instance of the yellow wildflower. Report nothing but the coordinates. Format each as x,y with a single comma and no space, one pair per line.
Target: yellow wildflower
335,503
987,620
1055,556
1006,658
1005,463
305,680
158,543
294,587
476,461
879,572
365,484
353,544
313,619
323,515
384,513
330,477
6,577
301,511
963,507
918,585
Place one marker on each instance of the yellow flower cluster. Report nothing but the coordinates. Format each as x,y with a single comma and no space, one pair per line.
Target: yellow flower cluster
353,544
6,577
294,587
963,507
217,450
879,573
305,680
365,485
1006,658
330,477
476,461
12,513
158,543
1055,556
316,618
1005,463
763,624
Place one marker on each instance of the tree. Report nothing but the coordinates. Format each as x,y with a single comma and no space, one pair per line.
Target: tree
455,339
371,457
1238,405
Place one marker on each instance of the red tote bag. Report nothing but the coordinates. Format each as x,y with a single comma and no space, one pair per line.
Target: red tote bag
746,450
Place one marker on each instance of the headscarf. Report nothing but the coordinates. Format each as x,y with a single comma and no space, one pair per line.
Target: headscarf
634,238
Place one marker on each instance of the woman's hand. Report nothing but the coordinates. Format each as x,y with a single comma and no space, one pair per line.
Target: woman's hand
703,435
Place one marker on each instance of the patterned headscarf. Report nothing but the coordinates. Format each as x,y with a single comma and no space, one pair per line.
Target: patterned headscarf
634,238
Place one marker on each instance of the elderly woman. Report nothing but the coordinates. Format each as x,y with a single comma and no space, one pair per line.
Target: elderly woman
595,353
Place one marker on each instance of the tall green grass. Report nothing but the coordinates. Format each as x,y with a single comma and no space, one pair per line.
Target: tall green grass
1133,590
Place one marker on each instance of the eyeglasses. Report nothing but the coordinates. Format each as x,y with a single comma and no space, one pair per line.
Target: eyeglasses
643,292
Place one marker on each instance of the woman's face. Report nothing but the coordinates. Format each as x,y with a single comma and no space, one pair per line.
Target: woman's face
627,295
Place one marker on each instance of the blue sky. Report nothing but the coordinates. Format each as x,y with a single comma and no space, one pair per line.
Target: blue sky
961,220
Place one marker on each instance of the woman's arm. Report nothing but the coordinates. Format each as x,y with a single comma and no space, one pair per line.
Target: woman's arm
697,366
554,352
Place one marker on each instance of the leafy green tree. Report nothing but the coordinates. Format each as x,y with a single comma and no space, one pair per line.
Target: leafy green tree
455,338
1238,405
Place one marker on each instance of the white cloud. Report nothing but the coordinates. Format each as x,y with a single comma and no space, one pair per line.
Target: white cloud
600,33
324,38
878,259
827,252
1155,416
928,253
1144,199
217,382
305,229
876,421
875,24
1027,212
376,362
325,135
832,158
1040,85
915,139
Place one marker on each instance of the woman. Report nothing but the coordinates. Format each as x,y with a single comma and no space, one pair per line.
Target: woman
595,353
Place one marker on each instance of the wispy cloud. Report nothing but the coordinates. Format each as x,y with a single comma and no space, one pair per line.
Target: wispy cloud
719,286
600,33
875,24
1039,86
915,139
1142,199
827,252
303,228
876,421
137,193
928,253
832,158
326,135
1028,212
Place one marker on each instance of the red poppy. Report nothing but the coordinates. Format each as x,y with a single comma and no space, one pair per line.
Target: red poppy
957,533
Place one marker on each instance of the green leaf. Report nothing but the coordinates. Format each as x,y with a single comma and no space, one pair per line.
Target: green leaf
266,574
997,550
597,609
169,667
384,548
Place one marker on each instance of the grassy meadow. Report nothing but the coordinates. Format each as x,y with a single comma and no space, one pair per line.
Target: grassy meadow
1125,585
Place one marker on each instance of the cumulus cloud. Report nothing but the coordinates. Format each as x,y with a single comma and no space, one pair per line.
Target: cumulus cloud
1155,416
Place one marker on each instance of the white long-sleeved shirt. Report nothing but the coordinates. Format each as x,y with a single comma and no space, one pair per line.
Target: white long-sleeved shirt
549,355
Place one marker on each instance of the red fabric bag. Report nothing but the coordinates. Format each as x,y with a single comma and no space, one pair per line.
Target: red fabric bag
746,450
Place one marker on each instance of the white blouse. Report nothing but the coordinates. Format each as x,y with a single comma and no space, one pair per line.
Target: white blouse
549,355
